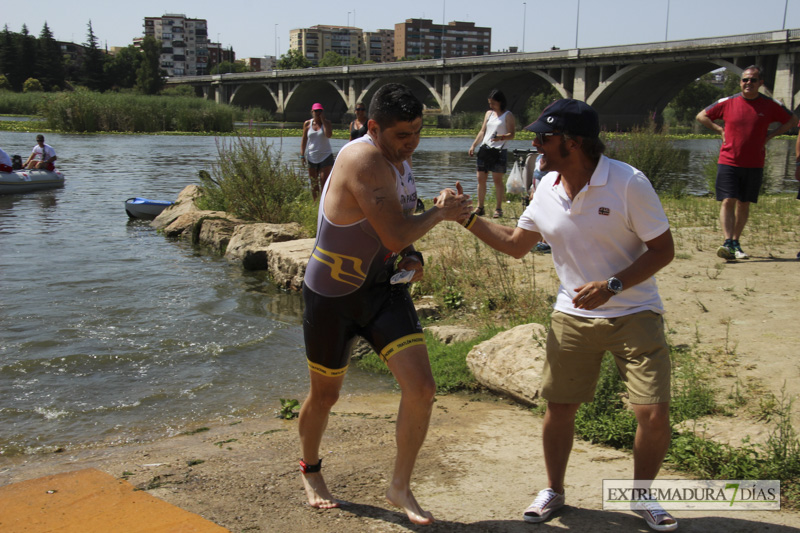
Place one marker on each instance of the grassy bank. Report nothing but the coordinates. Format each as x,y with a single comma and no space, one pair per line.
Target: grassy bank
475,286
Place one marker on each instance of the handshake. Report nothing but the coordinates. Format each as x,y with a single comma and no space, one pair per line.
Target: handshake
454,204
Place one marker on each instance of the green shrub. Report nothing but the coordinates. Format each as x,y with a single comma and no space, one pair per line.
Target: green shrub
32,85
249,181
467,120
653,154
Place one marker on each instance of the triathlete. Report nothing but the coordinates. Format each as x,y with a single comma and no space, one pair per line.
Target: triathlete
365,220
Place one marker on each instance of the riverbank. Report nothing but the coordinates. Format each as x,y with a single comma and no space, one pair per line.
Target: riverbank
481,464
479,469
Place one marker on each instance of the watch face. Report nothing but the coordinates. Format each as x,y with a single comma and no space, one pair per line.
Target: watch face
615,285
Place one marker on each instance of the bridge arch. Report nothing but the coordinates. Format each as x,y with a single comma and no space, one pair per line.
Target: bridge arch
255,95
517,85
636,93
302,95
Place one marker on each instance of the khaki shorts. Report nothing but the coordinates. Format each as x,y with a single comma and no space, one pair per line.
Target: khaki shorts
575,349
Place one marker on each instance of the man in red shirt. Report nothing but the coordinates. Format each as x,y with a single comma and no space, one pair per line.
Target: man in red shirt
740,168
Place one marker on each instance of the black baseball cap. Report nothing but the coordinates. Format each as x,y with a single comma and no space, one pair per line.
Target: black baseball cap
567,116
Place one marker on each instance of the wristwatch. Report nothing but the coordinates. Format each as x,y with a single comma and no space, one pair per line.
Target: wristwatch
614,285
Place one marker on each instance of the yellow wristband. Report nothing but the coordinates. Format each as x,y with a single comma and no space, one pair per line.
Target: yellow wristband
471,220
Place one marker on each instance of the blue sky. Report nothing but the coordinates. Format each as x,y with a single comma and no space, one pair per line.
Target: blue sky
249,26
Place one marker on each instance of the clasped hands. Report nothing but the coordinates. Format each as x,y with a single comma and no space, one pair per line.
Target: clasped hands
455,205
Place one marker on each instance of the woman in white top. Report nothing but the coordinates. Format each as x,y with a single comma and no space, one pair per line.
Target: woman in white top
498,128
316,134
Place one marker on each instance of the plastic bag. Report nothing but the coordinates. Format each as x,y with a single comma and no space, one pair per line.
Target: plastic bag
515,185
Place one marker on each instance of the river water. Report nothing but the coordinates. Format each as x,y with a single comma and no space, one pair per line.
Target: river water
110,332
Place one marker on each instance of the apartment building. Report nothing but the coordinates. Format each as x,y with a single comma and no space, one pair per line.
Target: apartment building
184,43
217,54
421,37
379,46
315,41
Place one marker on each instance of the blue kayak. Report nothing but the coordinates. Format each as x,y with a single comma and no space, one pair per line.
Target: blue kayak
144,208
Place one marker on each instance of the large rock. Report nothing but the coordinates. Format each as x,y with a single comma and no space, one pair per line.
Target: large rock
215,231
286,262
511,362
249,242
185,203
190,224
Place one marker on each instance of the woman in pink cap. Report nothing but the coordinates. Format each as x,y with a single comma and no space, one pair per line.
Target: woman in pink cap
319,157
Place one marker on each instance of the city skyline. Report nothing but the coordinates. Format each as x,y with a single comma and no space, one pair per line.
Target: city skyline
526,25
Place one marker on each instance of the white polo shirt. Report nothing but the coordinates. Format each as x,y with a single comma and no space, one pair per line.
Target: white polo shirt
599,233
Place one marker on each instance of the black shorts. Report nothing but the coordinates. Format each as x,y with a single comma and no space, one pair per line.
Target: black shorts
383,315
744,184
325,163
495,165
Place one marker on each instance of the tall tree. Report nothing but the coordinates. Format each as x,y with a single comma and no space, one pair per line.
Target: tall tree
9,59
149,79
92,73
27,54
121,69
50,69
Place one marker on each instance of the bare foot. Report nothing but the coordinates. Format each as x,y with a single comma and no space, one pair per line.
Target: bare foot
406,501
317,491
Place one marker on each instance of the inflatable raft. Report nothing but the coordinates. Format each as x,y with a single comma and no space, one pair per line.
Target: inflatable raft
29,180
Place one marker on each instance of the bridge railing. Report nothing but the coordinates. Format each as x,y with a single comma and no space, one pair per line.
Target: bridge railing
505,58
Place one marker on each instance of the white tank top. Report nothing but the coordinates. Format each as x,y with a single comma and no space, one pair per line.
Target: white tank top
318,147
495,124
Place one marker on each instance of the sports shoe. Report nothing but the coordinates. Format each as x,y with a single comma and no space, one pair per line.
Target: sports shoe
543,506
738,252
542,247
726,252
655,515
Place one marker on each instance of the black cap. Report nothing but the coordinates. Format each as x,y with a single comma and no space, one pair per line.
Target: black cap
567,116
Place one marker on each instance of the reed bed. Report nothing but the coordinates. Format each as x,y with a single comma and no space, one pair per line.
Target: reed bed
87,112
27,104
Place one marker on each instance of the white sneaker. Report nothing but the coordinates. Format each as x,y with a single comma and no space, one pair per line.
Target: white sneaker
738,252
655,515
543,506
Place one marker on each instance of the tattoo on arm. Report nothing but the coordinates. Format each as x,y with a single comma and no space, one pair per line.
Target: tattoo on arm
380,197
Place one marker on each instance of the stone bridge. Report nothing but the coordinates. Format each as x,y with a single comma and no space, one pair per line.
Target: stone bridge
625,84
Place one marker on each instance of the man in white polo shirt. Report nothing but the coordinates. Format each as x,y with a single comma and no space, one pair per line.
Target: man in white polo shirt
609,236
